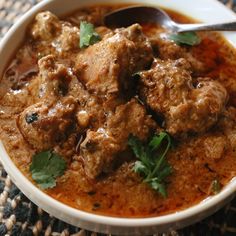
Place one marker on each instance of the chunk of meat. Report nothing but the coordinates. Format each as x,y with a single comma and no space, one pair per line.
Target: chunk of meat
45,27
44,125
215,146
200,111
226,77
104,32
130,118
168,49
98,151
68,40
165,48
54,78
92,110
227,124
106,67
67,148
101,147
52,36
168,89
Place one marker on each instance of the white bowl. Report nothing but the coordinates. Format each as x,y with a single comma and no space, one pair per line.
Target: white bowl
203,10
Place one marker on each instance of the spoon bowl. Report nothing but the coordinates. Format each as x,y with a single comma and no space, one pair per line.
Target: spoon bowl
147,14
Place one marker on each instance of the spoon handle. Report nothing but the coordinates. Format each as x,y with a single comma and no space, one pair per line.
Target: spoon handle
229,26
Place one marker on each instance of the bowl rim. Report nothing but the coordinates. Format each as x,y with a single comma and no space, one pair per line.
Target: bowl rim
48,202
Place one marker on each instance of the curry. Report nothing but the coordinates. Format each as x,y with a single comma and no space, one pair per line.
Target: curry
126,122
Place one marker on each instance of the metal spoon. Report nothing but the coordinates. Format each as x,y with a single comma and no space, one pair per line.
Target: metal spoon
145,14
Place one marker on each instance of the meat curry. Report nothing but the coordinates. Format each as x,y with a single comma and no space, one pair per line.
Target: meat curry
127,122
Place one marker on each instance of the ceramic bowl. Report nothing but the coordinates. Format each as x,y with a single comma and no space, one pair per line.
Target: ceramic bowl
202,10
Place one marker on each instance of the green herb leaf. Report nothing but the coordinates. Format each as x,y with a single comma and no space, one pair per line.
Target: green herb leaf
216,186
136,146
166,171
140,151
152,165
188,38
46,167
157,140
160,187
88,35
139,167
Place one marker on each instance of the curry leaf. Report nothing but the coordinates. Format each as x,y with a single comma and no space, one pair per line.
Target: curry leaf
188,38
46,167
152,165
88,35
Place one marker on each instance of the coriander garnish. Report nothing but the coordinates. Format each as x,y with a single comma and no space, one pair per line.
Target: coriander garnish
187,38
46,167
152,165
88,35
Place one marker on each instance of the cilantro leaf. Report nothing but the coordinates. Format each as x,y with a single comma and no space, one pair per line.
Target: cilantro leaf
46,167
43,180
157,140
166,171
137,146
160,187
188,38
139,167
152,165
140,151
88,35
